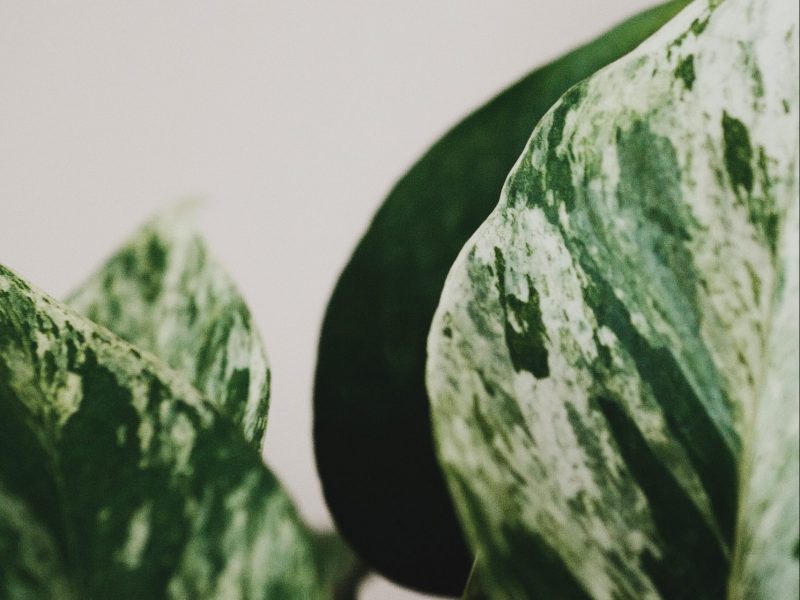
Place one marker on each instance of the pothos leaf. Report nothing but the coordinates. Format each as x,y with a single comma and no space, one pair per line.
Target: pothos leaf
613,364
132,483
163,293
372,431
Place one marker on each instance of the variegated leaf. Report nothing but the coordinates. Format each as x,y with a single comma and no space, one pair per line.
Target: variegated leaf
613,365
371,418
164,293
119,480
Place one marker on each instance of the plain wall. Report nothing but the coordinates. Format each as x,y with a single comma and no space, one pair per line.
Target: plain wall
292,119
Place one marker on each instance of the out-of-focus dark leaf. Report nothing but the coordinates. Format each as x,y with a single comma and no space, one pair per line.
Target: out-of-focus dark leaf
371,423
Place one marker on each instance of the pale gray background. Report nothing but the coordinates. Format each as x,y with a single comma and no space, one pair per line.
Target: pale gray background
291,118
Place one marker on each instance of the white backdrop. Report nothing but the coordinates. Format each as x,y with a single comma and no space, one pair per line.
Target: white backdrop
291,118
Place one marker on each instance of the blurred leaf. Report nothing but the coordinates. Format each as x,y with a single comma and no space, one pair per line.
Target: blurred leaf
613,366
118,480
372,432
162,292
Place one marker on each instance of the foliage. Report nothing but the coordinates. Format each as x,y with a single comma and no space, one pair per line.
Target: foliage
119,478
607,408
613,366
372,429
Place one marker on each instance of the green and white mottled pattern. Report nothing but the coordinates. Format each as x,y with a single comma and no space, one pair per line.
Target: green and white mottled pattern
766,563
119,480
613,364
163,293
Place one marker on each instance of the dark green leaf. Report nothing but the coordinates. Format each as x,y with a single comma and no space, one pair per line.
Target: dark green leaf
372,432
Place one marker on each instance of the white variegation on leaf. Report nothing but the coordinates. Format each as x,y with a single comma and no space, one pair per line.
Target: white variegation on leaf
164,293
613,366
118,479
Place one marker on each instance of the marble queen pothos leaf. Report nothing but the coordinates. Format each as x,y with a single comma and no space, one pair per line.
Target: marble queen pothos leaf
163,293
613,366
119,480
372,429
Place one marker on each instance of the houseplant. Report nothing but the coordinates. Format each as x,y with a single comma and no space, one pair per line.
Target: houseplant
612,368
